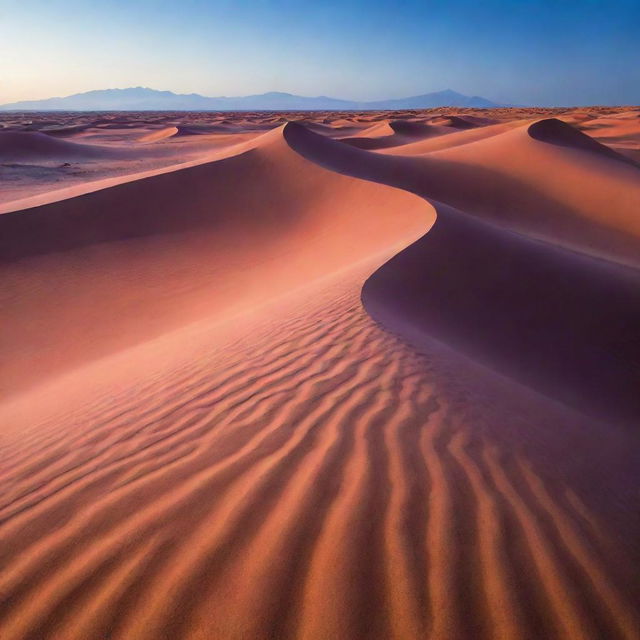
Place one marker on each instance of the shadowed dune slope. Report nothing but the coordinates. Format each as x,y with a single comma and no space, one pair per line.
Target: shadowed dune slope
562,322
104,270
555,131
33,145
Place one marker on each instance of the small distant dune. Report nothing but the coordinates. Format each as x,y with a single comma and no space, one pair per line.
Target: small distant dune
159,134
35,146
461,122
63,132
180,131
394,133
554,131
417,130
454,138
338,129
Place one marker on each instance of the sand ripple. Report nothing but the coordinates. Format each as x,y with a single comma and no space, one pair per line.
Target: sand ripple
312,480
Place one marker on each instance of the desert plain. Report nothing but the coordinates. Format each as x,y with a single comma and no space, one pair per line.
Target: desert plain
328,375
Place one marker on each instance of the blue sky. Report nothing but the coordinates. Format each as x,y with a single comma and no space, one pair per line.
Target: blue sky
528,52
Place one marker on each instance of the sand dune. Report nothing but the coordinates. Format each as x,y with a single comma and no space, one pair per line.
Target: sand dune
454,139
503,312
619,131
20,146
159,134
142,257
64,132
393,134
292,388
555,132
461,122
246,494
588,203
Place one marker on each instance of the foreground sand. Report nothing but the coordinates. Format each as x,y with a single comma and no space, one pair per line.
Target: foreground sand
206,435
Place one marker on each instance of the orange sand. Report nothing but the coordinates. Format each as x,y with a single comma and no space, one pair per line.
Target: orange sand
354,376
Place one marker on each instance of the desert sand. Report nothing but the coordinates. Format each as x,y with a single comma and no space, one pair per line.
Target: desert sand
320,375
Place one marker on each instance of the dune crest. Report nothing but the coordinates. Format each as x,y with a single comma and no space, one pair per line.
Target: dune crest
393,134
504,312
150,249
160,134
555,131
572,197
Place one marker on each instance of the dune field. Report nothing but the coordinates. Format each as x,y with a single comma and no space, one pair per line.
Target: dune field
323,376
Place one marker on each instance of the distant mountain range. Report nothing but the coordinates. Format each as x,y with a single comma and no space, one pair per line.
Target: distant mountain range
144,99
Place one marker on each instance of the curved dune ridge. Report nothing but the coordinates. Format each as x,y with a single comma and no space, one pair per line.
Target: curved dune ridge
213,137
207,435
453,139
159,134
394,133
492,298
589,202
575,339
65,132
155,248
180,131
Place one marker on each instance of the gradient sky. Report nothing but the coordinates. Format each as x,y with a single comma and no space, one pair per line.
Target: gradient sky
546,52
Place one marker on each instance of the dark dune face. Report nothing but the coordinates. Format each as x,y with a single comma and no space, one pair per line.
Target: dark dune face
562,323
554,131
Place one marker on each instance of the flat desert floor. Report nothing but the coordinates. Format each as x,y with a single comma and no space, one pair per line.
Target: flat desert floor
320,375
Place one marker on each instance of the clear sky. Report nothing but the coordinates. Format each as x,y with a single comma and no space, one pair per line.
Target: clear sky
543,52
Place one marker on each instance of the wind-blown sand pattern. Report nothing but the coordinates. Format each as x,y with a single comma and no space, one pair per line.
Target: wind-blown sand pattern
263,380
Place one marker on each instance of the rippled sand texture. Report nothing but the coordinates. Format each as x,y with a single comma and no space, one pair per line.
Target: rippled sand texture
206,434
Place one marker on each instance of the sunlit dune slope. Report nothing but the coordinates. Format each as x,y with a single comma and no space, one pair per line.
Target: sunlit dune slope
572,196
313,477
152,254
